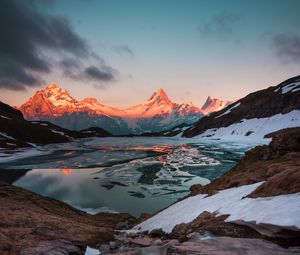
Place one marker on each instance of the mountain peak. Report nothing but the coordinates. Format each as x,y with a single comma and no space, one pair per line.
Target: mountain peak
52,86
213,104
207,103
160,96
54,89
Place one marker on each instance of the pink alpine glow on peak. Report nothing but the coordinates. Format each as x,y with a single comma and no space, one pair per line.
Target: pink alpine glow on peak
214,105
56,101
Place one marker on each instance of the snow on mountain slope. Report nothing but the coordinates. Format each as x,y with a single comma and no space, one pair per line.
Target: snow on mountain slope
160,104
94,105
214,105
253,116
233,202
254,129
55,104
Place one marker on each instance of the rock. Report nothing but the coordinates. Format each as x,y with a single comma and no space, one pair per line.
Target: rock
144,216
286,182
156,232
157,242
32,223
207,221
195,189
113,245
55,247
230,246
144,241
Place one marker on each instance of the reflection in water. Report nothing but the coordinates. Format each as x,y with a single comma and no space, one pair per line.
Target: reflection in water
66,171
126,175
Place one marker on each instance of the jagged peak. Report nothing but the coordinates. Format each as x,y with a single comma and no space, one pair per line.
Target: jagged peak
52,85
160,95
55,89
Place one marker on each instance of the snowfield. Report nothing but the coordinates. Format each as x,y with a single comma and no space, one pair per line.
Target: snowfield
282,211
253,129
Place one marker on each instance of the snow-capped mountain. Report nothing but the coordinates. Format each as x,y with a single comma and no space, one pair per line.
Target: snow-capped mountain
159,113
16,132
253,116
214,105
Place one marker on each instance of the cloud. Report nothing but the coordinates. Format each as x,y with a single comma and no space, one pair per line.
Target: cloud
26,35
287,47
124,50
97,74
219,26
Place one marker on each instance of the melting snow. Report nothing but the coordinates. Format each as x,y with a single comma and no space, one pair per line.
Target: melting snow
281,210
58,132
254,129
7,136
229,110
293,87
91,251
5,117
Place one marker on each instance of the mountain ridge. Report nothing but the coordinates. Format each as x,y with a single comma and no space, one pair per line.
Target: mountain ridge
260,112
158,113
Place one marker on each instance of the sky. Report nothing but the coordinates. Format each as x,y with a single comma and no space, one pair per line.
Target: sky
121,51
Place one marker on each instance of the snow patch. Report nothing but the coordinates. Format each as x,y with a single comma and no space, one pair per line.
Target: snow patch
293,87
229,110
4,117
253,129
281,210
7,136
58,132
91,251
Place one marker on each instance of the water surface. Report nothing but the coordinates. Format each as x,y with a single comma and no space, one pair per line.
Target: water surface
132,175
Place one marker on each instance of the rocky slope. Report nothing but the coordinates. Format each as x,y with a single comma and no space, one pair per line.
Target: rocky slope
17,132
55,104
32,224
255,115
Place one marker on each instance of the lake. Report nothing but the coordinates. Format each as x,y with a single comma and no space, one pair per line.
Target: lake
135,175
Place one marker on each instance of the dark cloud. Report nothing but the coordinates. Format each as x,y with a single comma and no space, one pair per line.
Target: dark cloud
70,67
100,72
97,74
124,50
25,35
287,47
220,26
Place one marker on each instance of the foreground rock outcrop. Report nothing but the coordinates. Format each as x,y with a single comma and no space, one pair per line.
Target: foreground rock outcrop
33,224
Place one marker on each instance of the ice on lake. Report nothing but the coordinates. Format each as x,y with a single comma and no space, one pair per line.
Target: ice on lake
132,175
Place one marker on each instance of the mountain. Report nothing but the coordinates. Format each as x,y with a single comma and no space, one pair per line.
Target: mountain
214,105
17,132
253,116
159,113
